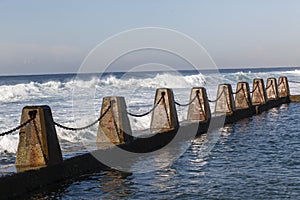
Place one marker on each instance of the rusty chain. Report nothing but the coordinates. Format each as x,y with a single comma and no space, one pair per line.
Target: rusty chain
189,103
148,112
32,115
254,88
217,97
16,128
84,127
269,86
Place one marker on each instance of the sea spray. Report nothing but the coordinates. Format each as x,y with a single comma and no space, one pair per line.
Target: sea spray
138,89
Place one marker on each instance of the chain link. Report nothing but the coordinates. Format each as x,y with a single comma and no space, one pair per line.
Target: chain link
245,96
131,114
217,97
146,113
281,82
189,103
268,86
16,128
260,93
85,127
114,120
238,91
32,115
254,88
166,110
39,140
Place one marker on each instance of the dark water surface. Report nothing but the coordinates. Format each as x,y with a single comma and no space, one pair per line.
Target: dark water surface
256,158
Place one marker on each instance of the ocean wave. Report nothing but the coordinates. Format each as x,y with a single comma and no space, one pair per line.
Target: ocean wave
9,143
295,72
138,91
35,90
160,80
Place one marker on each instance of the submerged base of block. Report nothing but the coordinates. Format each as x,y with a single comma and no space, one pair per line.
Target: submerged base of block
295,98
239,114
270,104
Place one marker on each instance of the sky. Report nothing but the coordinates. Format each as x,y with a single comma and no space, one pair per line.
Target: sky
41,37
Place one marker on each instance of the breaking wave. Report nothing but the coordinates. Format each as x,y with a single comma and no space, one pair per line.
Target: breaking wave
138,90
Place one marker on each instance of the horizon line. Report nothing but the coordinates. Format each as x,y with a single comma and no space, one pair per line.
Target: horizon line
206,69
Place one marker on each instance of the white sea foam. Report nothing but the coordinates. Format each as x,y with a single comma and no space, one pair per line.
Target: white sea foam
160,80
138,91
9,143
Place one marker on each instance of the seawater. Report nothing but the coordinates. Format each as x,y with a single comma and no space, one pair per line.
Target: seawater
253,159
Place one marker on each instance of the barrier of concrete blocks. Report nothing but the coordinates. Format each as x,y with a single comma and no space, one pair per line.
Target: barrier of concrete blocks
265,97
39,147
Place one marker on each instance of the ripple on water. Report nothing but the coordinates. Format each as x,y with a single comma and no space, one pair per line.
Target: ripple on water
256,158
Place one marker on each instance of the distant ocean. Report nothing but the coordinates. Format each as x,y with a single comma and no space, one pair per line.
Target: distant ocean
256,158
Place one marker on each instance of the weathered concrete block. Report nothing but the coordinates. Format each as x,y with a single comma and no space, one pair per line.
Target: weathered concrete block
224,103
199,109
164,116
271,89
295,98
38,143
242,96
258,92
114,127
283,87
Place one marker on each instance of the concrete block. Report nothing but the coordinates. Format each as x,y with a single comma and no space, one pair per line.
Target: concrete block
199,109
259,95
242,96
114,127
283,87
38,143
164,116
224,103
271,89
295,98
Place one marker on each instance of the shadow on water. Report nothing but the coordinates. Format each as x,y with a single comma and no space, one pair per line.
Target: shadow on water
106,184
115,184
255,158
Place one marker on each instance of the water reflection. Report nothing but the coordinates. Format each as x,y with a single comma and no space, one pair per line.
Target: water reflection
114,184
226,130
155,161
248,156
199,150
102,185
162,178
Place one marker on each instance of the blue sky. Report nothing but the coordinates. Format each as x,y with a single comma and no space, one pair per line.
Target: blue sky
55,36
